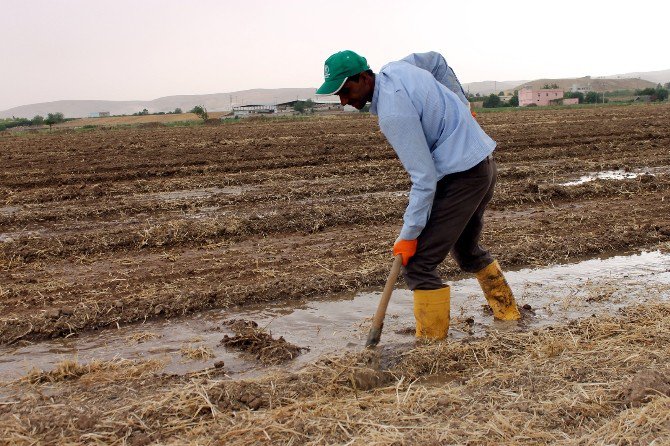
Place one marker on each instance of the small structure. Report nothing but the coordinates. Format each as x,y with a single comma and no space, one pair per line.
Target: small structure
318,106
283,108
102,114
244,111
564,101
579,88
528,96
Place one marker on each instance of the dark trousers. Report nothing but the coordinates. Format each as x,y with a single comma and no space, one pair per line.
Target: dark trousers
455,225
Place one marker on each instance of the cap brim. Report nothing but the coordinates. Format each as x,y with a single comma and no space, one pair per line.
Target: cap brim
331,87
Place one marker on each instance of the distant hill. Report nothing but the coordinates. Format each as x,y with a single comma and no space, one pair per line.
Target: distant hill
657,77
213,102
595,84
224,101
485,88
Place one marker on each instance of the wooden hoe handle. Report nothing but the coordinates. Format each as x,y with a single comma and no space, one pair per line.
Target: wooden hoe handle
378,321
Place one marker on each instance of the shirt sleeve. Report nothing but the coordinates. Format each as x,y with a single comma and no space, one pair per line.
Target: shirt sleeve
404,132
443,73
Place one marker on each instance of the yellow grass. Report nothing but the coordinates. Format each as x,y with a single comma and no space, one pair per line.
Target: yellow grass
125,120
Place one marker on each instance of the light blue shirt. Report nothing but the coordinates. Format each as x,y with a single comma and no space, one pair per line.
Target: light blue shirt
437,65
431,130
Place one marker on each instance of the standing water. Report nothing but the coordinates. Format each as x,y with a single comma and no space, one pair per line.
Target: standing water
335,324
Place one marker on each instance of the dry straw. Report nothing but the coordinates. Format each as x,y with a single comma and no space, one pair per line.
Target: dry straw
568,385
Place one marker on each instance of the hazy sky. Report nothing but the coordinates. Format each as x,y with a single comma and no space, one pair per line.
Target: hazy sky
145,49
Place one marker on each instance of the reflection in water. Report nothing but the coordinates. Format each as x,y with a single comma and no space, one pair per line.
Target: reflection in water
556,294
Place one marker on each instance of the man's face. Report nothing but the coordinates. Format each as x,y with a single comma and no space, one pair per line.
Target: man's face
358,93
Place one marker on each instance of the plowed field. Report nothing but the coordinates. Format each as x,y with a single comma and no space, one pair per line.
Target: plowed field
114,226
109,227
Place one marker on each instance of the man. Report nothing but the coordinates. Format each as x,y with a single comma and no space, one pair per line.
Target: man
448,157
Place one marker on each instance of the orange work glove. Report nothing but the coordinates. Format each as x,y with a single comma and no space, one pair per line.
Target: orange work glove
474,115
407,248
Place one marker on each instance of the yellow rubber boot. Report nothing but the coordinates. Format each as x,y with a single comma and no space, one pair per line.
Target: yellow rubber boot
431,311
498,293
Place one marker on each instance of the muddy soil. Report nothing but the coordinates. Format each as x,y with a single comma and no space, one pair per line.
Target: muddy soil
108,227
252,339
114,227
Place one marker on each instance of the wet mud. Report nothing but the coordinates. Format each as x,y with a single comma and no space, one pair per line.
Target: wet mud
121,226
126,255
250,339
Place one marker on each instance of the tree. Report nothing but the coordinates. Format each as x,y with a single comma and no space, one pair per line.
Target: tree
502,93
54,118
661,94
593,98
200,111
514,100
37,120
304,106
299,106
667,85
177,111
574,94
491,101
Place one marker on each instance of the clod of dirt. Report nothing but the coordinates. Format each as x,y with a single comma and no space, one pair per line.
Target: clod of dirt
406,331
66,311
368,379
647,178
251,339
526,311
238,325
253,401
53,313
219,364
486,310
644,385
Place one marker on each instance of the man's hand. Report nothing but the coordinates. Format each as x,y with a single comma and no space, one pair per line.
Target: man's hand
407,248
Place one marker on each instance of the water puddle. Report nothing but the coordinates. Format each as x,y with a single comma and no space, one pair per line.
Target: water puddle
618,175
557,294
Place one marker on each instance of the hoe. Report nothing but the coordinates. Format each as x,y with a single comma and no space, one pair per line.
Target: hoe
378,320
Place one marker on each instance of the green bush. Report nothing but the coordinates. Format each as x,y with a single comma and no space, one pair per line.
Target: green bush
492,101
304,106
200,111
576,94
54,118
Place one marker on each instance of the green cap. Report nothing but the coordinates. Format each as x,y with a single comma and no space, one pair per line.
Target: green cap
338,68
